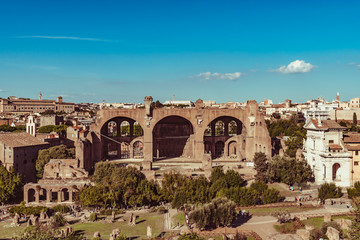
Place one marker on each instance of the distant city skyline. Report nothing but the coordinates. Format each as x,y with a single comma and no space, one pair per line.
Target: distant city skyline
121,51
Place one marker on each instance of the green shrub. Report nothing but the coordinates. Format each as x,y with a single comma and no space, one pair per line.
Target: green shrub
108,212
59,220
61,208
93,217
27,211
190,236
355,191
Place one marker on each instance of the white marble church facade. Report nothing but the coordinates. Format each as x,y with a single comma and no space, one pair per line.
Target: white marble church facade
325,152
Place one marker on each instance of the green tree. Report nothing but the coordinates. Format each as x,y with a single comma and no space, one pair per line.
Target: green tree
10,185
119,186
46,129
343,124
57,152
289,170
261,166
219,212
355,191
329,190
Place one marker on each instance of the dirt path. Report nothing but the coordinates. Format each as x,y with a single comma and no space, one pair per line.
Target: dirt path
264,226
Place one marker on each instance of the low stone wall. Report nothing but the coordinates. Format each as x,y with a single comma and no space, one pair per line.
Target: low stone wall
226,231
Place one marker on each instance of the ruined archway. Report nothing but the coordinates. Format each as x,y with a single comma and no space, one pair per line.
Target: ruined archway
138,147
224,137
171,137
65,195
116,135
31,195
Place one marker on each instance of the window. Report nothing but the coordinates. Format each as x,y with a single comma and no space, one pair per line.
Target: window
331,141
356,152
356,163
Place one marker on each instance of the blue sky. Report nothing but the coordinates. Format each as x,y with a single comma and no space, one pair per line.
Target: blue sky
121,51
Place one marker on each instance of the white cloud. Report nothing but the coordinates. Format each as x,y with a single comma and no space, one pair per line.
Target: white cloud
1,90
67,38
354,64
297,66
223,76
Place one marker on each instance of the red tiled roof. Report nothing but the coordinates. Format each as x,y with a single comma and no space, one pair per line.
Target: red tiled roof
352,138
20,139
335,147
326,124
350,147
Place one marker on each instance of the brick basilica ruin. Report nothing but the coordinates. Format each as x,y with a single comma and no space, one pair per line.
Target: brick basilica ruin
169,132
152,135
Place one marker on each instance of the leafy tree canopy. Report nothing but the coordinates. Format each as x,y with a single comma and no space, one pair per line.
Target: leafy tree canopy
10,185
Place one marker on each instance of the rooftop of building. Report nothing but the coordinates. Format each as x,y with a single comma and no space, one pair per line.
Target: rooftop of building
324,124
352,137
20,139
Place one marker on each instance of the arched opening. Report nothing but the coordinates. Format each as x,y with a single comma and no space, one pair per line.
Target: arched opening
219,149
65,195
170,138
138,149
218,132
336,175
219,128
31,195
42,195
232,128
111,129
125,129
138,131
232,149
54,196
116,135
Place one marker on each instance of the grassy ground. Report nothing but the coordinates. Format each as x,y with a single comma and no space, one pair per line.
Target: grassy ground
178,218
269,211
315,222
9,232
155,220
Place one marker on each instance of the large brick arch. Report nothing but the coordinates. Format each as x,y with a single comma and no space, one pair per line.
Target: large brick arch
254,130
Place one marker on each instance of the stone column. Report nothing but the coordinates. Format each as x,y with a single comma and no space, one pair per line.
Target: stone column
70,196
59,196
148,144
26,197
37,195
48,195
131,128
118,128
226,128
212,125
199,147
